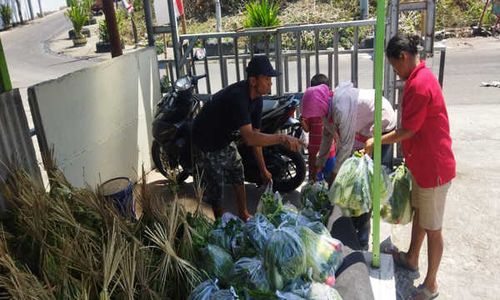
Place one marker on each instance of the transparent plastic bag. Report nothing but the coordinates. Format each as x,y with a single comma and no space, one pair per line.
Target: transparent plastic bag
204,290
228,294
397,209
284,256
270,203
323,255
258,229
217,262
249,273
351,190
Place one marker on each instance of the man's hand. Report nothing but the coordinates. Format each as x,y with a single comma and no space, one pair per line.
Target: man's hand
292,143
368,146
266,176
303,124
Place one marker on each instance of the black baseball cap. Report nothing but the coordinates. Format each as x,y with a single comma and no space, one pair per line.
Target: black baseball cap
260,65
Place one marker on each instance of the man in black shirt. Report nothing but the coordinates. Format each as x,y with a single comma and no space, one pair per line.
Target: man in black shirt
237,107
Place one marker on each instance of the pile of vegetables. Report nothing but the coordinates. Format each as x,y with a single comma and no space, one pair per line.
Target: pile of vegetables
315,202
351,190
281,254
397,209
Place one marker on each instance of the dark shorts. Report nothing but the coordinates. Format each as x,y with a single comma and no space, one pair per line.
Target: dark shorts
219,168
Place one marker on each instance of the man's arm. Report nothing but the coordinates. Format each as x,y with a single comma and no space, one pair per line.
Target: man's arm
257,151
256,138
327,137
392,137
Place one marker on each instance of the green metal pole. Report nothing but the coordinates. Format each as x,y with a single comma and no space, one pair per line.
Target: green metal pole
6,85
379,76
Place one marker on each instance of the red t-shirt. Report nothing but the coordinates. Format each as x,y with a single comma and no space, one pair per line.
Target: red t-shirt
428,152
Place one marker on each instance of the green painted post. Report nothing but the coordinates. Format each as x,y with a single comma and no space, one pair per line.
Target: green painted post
6,85
379,76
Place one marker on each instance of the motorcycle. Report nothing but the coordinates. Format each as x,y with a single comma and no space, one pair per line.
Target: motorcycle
173,150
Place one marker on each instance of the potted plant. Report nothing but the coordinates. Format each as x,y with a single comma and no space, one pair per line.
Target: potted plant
78,15
261,14
103,45
6,13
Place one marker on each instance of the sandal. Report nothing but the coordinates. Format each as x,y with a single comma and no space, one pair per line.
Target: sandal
423,293
401,260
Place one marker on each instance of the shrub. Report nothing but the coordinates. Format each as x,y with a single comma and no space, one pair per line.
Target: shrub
6,13
103,28
78,14
261,13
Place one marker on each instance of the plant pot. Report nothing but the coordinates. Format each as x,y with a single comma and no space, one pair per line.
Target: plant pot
84,31
260,47
91,21
102,47
212,48
80,41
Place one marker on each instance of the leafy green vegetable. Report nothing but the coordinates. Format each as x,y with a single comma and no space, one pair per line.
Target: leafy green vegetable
284,257
249,273
217,262
323,255
258,230
397,209
351,190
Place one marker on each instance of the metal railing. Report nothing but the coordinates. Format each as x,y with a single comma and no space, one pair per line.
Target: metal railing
297,65
293,63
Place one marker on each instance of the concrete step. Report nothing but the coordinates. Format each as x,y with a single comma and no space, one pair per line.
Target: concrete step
382,279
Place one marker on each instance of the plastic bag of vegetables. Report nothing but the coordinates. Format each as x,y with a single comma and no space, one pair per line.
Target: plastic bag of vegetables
314,195
249,273
258,229
351,190
228,294
323,255
270,203
284,256
299,289
204,290
290,216
397,209
229,235
217,262
321,291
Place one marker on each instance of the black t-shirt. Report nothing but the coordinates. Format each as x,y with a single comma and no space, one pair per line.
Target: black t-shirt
219,118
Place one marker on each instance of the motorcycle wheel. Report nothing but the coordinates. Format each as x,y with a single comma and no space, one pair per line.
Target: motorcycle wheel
160,159
294,172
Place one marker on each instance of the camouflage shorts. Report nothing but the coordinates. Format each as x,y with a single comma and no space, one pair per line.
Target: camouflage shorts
219,168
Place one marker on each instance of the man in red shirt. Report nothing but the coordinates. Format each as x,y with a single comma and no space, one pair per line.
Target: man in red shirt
426,141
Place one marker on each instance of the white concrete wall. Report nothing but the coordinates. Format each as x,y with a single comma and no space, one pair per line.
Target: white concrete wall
99,119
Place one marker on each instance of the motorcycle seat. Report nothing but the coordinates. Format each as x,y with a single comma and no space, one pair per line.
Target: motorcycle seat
268,105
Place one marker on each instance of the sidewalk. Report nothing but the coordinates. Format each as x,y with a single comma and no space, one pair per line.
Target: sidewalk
62,45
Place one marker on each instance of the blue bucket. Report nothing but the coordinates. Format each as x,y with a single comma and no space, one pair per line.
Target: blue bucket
119,190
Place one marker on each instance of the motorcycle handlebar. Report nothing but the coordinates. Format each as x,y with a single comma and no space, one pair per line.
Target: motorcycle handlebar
195,78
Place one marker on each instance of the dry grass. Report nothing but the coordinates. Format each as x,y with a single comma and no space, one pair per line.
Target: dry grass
72,243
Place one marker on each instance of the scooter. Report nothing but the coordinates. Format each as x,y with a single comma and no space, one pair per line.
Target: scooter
173,150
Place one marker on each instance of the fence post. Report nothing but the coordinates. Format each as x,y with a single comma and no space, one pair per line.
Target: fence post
379,68
6,84
278,63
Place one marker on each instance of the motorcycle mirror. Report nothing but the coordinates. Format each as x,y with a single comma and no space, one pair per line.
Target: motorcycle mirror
200,53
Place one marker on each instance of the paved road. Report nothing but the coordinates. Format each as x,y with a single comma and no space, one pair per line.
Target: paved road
27,55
